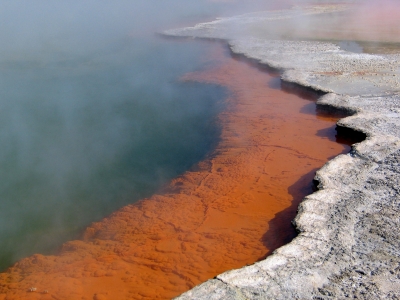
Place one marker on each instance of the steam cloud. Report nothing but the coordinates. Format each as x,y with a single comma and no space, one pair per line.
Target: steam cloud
91,114
90,111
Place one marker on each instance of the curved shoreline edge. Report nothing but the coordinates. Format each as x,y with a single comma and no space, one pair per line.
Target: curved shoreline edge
348,243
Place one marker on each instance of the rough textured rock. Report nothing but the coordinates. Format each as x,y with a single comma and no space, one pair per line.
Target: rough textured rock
348,243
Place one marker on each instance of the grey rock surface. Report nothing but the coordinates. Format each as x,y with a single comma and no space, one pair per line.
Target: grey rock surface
349,243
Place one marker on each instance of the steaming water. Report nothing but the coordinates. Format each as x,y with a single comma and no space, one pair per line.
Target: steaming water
92,115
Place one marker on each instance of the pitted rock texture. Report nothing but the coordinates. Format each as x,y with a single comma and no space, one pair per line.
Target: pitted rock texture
323,66
317,64
348,244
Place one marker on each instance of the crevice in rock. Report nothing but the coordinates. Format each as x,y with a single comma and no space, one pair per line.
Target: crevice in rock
237,290
350,135
305,92
336,111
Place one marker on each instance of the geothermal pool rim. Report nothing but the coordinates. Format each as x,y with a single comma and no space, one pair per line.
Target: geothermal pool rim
345,246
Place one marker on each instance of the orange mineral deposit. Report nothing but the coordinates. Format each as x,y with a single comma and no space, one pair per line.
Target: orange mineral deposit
229,210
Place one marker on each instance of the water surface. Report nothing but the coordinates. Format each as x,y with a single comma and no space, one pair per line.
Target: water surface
92,116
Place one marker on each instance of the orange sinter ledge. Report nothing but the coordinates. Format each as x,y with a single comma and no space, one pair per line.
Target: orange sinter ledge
231,209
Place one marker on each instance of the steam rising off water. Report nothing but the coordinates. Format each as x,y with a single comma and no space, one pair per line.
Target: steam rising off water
92,116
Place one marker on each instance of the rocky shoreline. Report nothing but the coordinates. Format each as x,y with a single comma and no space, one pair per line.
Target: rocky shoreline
229,210
348,243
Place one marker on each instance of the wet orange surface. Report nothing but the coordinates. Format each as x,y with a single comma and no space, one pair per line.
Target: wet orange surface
230,210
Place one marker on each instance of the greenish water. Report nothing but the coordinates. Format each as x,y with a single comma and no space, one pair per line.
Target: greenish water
91,121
